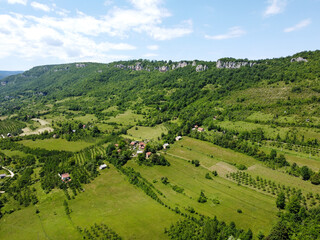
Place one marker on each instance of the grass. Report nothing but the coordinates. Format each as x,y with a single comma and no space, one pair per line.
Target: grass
109,199
127,118
12,153
207,153
300,158
86,118
269,130
57,144
141,133
283,178
259,210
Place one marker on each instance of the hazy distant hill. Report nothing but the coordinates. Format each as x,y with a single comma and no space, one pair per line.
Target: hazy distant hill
4,74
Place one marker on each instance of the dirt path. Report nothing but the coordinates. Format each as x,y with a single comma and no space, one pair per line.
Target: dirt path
44,127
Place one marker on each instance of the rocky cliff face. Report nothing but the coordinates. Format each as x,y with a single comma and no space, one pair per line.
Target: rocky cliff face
164,69
233,65
138,67
298,59
201,68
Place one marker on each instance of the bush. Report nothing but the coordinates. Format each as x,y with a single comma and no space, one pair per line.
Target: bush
208,176
202,198
196,163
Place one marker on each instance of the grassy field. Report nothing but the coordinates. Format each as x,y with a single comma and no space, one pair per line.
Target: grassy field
283,178
11,153
110,199
208,154
300,158
127,118
57,144
271,131
142,133
258,210
86,118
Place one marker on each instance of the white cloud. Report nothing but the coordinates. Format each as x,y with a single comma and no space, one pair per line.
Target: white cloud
40,6
160,33
275,7
233,32
23,2
30,37
108,3
153,47
298,26
84,37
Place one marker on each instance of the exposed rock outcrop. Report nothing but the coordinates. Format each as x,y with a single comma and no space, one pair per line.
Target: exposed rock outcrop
233,65
163,69
80,65
201,68
298,59
182,64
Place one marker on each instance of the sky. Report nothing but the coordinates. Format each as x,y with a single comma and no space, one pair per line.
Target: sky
37,32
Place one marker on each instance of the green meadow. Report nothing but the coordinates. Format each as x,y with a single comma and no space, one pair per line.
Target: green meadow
57,144
110,199
142,133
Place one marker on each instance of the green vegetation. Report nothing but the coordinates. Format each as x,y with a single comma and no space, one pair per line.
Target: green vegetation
101,154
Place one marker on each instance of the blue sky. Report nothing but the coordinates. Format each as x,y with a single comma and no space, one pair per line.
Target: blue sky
37,32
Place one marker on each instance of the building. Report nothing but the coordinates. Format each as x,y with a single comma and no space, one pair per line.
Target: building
200,129
103,166
178,138
148,154
2,176
165,146
65,177
142,145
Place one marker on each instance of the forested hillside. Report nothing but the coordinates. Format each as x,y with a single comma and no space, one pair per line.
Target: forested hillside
220,150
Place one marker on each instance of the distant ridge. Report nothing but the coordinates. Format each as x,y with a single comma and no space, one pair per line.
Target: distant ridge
4,74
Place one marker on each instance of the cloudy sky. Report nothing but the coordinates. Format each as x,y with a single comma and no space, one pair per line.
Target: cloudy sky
38,32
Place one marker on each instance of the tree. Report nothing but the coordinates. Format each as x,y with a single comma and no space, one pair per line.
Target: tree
315,179
273,154
293,205
305,173
281,201
279,232
202,198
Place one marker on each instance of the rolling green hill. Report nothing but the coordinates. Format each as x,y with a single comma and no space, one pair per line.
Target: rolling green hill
247,164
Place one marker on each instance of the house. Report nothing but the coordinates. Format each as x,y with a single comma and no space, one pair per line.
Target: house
148,154
119,150
195,126
116,145
65,177
178,138
103,166
2,176
133,143
9,135
139,152
142,145
200,129
165,146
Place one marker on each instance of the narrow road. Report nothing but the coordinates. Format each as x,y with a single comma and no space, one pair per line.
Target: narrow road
12,174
